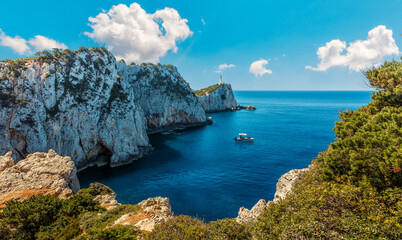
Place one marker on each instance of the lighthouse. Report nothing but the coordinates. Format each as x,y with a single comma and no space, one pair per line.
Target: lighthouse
220,81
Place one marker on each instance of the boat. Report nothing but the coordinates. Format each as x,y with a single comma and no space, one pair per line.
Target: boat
243,138
167,133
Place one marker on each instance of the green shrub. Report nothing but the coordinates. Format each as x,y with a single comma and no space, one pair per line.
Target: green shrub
332,210
113,233
228,229
99,221
27,217
181,227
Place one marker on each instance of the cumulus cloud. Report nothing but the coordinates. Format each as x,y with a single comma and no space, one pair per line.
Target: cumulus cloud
132,34
41,43
359,54
17,43
258,68
22,46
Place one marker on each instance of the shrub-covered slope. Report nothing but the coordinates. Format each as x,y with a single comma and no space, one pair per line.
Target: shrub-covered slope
354,187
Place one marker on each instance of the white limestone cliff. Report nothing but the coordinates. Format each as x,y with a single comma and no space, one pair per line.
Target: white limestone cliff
84,105
221,99
165,97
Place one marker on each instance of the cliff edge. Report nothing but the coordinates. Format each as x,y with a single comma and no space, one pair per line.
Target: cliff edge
217,98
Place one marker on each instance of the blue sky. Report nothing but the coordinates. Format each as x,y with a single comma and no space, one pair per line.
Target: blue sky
285,33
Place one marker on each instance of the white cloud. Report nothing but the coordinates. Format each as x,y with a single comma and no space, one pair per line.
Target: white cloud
41,43
135,35
203,21
359,54
224,66
17,43
258,68
22,46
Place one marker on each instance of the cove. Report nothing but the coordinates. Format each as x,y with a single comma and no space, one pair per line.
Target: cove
207,175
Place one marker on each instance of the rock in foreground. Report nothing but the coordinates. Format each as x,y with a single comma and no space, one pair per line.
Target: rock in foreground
152,211
283,188
38,174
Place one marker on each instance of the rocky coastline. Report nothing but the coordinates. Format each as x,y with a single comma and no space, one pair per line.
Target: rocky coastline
85,105
51,174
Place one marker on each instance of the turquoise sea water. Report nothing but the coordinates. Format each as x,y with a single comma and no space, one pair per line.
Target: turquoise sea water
206,174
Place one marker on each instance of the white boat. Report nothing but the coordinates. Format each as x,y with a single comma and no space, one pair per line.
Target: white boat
167,133
243,138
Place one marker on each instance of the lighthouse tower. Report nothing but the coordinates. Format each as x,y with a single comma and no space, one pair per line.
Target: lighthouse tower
220,82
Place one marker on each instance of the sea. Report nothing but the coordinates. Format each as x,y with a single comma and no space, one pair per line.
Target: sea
206,174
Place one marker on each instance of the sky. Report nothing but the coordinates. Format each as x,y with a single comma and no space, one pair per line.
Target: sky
255,45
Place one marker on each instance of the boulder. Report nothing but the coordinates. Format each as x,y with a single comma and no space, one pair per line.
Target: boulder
152,211
39,174
246,216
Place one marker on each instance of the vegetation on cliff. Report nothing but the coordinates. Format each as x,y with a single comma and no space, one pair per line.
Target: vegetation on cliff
354,187
207,90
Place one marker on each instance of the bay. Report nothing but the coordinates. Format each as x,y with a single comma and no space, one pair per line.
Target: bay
206,174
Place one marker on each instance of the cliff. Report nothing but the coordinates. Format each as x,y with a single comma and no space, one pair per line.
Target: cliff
165,97
85,105
37,174
217,98
74,103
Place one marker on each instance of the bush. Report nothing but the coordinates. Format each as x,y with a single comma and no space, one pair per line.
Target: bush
113,233
228,229
181,227
326,210
48,217
205,91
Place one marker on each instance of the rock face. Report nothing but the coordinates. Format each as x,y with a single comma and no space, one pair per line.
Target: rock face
283,188
84,105
107,201
74,103
165,97
245,215
286,182
152,211
38,174
221,99
6,161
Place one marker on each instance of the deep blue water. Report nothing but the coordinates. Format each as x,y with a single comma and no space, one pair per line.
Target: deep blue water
206,174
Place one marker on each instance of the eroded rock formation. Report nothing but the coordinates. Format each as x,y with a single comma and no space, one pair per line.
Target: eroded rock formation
37,174
152,211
